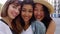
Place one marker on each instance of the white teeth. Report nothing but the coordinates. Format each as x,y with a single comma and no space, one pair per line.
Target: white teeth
26,17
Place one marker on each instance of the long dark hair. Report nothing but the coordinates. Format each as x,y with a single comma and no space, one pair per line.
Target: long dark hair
19,20
47,19
32,18
16,25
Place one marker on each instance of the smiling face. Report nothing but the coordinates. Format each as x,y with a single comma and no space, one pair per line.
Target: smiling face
39,12
13,10
27,12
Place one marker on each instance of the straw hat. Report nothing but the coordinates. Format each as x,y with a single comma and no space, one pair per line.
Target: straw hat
48,5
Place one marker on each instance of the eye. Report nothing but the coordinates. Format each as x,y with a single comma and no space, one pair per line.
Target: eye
35,9
19,9
23,10
14,6
41,10
30,11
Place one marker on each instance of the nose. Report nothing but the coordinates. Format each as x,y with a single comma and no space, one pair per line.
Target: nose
26,13
17,11
38,13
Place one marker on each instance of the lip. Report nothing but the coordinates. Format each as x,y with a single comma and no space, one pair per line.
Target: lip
26,17
38,16
14,14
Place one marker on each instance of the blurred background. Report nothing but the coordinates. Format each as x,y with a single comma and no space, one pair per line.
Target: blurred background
55,15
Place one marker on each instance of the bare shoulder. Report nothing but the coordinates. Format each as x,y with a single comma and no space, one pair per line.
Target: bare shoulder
51,28
52,23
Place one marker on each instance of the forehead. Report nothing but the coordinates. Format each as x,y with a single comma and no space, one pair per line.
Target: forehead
38,5
27,6
16,3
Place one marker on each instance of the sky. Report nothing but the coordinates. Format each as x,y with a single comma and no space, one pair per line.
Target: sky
2,1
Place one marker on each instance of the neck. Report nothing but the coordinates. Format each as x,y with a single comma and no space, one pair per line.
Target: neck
27,23
8,21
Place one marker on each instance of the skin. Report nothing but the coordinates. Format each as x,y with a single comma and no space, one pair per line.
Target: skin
39,15
13,11
51,28
26,14
38,12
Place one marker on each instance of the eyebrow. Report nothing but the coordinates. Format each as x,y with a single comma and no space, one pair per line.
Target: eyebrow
16,4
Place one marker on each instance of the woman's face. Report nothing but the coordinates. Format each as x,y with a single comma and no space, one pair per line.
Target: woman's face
39,12
13,10
27,12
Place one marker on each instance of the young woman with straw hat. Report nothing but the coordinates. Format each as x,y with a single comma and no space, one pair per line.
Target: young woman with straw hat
42,12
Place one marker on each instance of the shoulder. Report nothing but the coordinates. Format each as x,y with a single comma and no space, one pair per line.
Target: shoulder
37,22
52,26
39,25
4,29
52,23
3,25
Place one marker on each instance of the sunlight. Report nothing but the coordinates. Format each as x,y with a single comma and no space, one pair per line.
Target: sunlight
2,1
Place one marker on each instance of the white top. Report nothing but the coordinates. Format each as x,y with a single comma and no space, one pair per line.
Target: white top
28,31
4,28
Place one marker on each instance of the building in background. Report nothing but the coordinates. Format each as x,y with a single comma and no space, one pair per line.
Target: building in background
56,4
59,8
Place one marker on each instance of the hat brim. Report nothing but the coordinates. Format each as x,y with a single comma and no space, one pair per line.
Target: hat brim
48,5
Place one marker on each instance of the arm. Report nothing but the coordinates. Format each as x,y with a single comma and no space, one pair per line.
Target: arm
51,28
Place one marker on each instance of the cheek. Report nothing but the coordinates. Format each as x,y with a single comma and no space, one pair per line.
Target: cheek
10,8
42,13
22,13
9,11
30,14
35,13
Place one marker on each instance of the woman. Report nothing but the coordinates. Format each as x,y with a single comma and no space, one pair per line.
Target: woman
29,25
10,10
42,13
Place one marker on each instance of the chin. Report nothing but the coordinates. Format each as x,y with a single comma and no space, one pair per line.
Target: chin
12,17
26,20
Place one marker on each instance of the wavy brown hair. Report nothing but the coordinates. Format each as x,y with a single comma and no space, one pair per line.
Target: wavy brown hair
15,26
